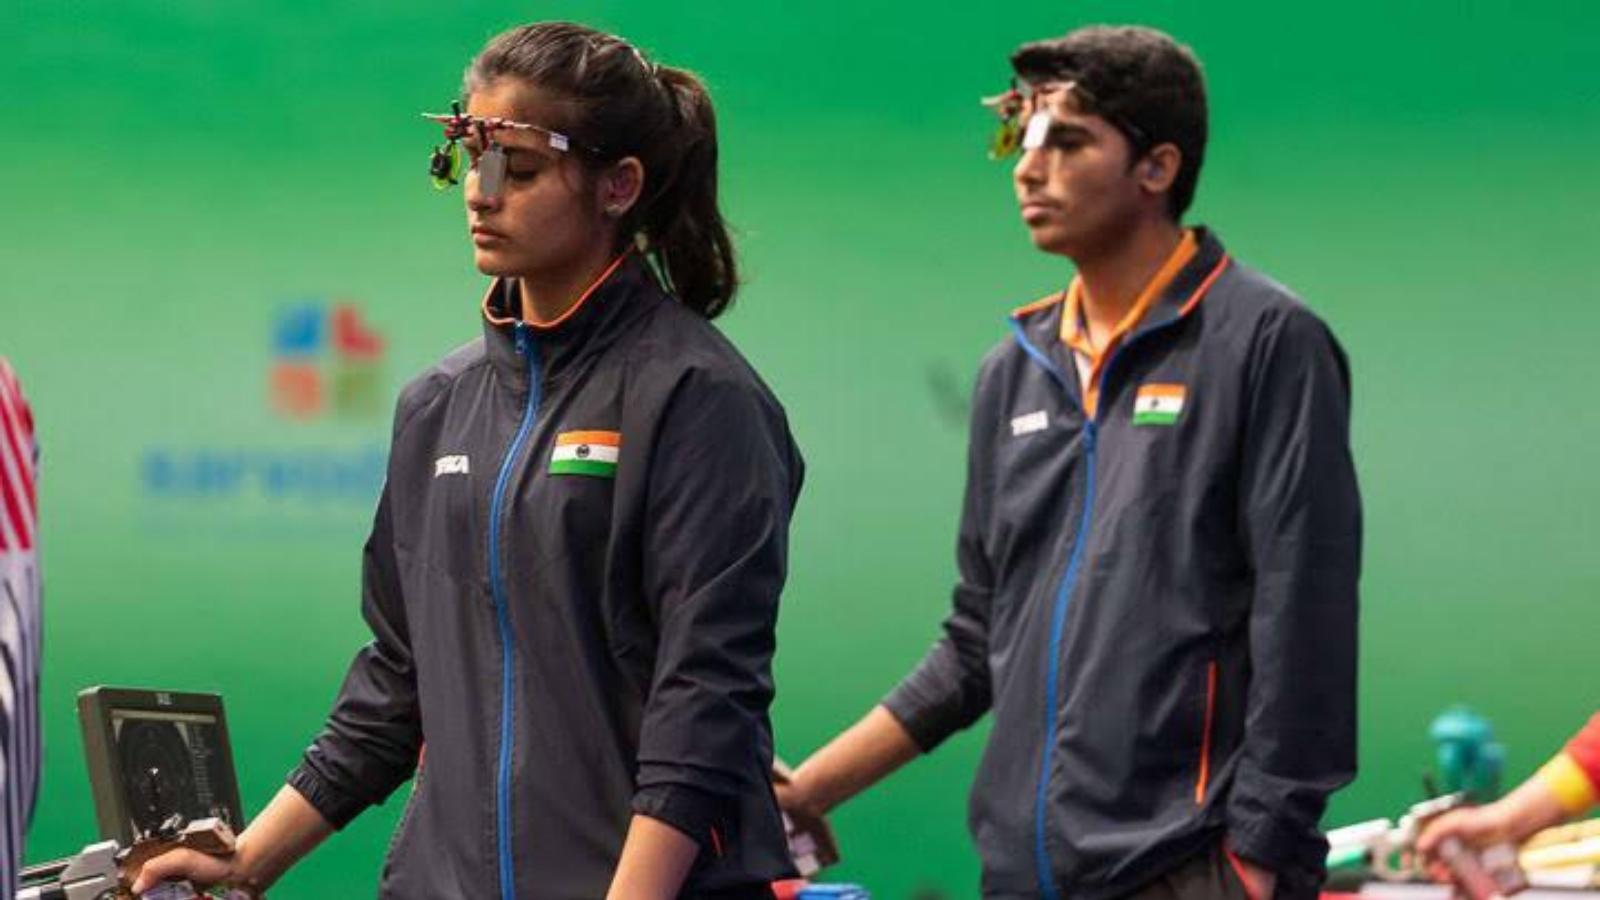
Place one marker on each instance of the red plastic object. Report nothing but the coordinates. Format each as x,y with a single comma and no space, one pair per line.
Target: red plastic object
788,890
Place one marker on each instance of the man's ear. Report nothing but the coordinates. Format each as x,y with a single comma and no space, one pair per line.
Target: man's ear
1160,168
620,187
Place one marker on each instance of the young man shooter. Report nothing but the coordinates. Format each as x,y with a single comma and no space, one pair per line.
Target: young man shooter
1160,540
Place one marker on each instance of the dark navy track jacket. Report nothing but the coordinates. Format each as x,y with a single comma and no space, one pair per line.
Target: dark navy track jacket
572,583
1158,604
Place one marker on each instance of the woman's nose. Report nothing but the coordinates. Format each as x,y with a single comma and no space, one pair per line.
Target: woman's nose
477,200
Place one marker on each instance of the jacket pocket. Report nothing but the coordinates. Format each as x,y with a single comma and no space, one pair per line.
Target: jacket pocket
1252,891
1202,780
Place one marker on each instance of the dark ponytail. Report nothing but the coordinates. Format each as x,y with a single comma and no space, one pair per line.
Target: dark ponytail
614,100
684,225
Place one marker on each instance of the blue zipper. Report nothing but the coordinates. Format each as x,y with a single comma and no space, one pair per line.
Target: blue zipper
1058,618
529,352
1058,621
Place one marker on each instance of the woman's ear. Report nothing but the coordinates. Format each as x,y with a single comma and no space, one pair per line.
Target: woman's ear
620,187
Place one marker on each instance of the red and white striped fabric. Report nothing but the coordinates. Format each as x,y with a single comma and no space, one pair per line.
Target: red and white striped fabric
19,625
19,460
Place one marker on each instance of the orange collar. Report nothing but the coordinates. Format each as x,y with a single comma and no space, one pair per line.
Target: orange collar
1076,336
488,312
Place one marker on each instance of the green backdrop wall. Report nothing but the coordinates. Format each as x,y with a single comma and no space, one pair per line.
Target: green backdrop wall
191,179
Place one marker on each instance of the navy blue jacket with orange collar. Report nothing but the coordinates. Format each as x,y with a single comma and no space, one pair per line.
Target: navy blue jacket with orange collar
1159,603
572,584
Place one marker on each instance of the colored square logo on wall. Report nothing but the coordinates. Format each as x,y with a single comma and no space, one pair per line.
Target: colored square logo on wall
326,361
296,389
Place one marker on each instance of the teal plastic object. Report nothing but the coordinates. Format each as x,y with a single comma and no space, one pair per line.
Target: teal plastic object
1469,759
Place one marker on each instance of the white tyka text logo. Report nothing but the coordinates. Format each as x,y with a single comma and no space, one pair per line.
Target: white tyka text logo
1028,424
450,465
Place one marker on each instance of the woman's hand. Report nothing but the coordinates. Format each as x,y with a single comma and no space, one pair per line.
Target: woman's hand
656,859
285,831
184,864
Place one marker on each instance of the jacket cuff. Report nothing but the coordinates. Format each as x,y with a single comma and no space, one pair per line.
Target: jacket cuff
333,804
694,812
927,722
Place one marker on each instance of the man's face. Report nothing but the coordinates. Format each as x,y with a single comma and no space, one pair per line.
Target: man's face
544,216
1078,191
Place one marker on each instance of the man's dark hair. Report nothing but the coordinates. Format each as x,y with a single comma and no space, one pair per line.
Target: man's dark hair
1147,85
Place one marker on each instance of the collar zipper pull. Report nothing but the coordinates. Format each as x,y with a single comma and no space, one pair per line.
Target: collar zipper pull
520,330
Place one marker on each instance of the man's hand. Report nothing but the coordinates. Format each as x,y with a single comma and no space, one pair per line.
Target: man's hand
806,821
859,757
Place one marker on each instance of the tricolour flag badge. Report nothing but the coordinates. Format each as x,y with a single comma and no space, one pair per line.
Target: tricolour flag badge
1158,404
586,453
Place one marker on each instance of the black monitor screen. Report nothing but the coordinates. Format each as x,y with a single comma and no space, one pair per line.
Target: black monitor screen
169,763
154,755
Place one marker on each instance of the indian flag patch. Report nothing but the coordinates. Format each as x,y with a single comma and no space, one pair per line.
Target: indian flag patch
586,453
1158,404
